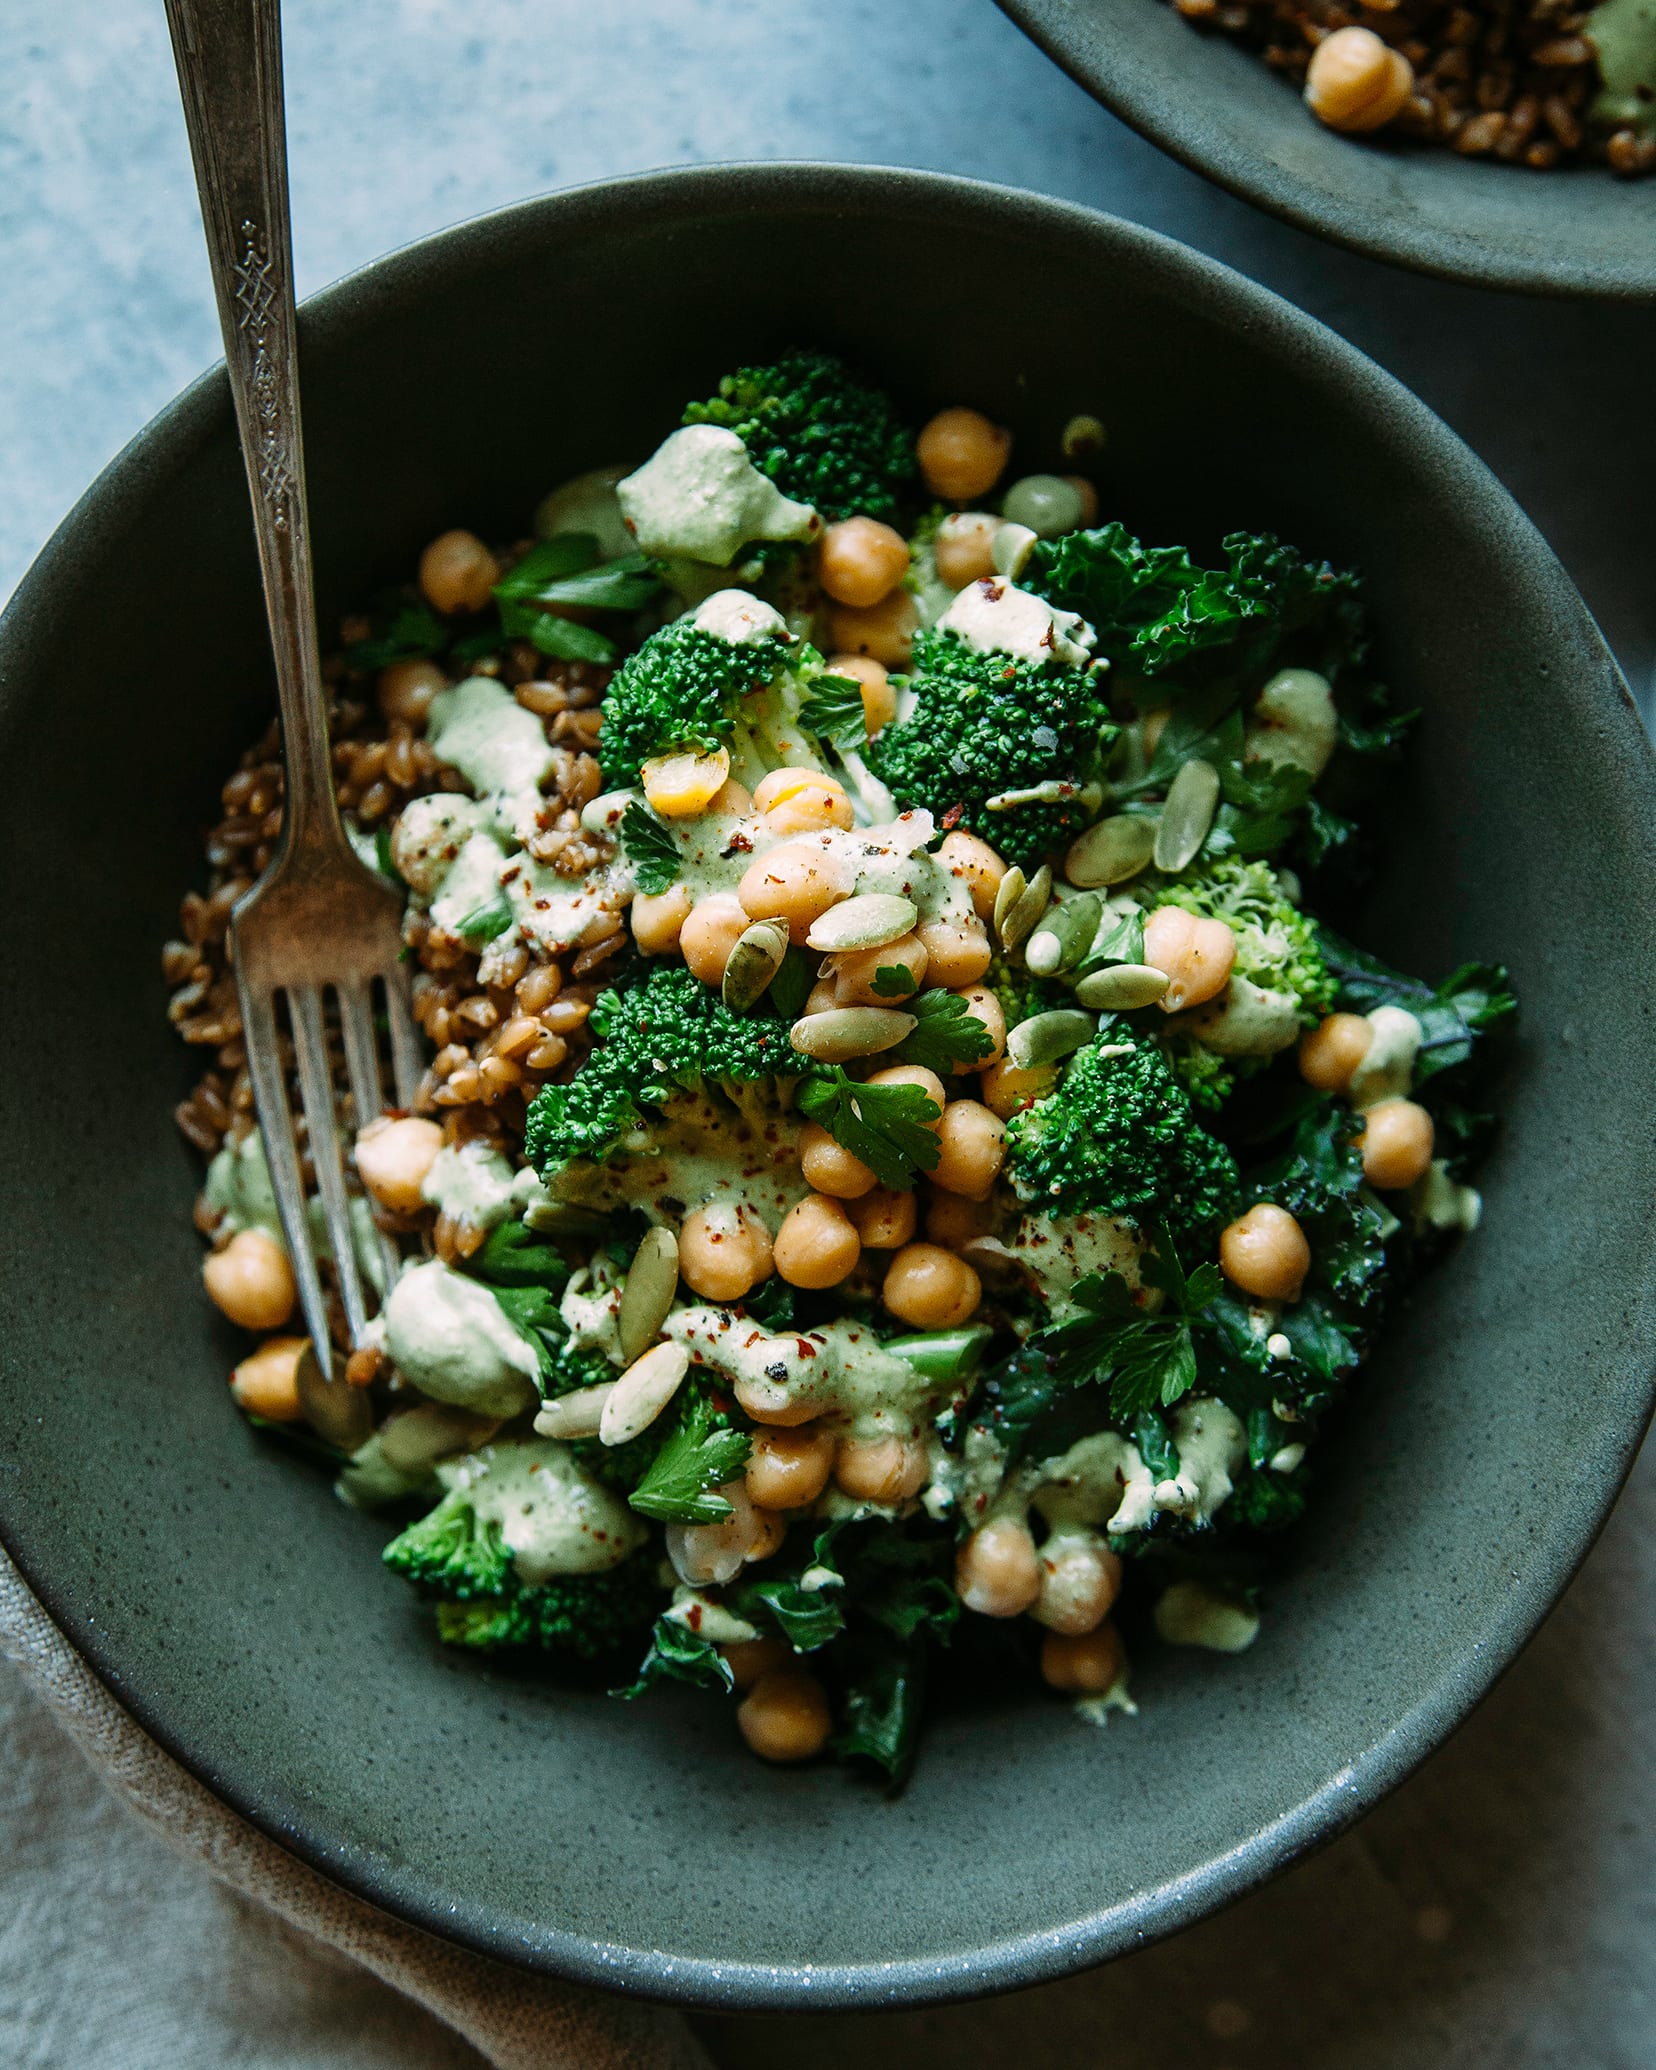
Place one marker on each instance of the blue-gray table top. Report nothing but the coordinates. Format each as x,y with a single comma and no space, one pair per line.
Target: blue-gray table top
1499,1909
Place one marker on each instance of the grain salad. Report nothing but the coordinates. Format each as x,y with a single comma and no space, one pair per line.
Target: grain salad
906,1168
1530,83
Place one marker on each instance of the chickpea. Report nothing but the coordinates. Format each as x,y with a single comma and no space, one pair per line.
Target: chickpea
1396,1144
406,689
957,952
1330,1053
854,971
977,865
1151,728
963,547
251,1281
684,786
1196,954
884,1219
1080,1580
708,933
774,1404
1047,503
962,455
266,1383
769,1534
458,572
704,1553
802,801
748,1659
784,1716
997,1570
732,799
658,919
884,631
887,1469
822,995
1355,82
931,1288
787,1469
393,1158
1264,1252
724,1251
1088,1665
954,1221
860,561
1088,494
831,1168
1007,1090
879,699
817,1245
795,884
983,1006
973,1149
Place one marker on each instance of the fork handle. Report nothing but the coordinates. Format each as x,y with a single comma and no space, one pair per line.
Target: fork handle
229,59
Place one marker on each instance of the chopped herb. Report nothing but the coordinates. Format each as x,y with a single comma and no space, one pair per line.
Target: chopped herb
513,1255
702,1453
483,923
946,1033
887,1126
401,631
833,709
893,981
884,1695
650,848
560,638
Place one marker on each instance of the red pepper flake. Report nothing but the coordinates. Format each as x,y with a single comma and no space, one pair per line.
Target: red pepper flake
693,1617
953,817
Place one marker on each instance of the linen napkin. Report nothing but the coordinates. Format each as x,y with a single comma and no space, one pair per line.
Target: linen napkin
511,2018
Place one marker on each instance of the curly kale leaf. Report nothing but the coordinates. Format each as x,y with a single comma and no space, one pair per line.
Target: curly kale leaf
1157,613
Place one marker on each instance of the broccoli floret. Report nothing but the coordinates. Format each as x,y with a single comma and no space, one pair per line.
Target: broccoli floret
453,1549
1276,944
821,436
1118,1137
589,1615
985,724
682,689
458,1552
1207,1077
666,1036
690,688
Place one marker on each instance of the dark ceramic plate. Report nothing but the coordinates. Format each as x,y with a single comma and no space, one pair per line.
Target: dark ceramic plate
1218,109
242,1614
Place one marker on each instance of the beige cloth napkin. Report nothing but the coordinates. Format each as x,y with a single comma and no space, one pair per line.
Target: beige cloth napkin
514,2020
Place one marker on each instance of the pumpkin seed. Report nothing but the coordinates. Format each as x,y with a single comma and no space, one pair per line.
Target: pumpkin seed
652,1283
1192,800
1010,548
844,1032
1045,1037
419,1437
1064,935
334,1409
1026,911
754,961
1122,987
1010,889
576,1415
642,1392
1112,851
868,921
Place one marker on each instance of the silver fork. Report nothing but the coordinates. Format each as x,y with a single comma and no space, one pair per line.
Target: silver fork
317,920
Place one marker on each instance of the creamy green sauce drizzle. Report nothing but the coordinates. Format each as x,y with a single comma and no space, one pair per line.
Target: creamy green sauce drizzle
552,1518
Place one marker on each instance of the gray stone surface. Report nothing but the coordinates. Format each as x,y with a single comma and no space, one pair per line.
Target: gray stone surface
1499,1908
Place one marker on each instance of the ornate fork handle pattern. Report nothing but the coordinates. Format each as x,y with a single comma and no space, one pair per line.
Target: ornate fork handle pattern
257,289
229,57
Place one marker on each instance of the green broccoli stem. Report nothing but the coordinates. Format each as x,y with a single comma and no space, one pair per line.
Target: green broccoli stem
944,1355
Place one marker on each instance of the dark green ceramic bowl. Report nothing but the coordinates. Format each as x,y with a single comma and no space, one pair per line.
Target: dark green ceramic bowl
1218,109
241,1613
